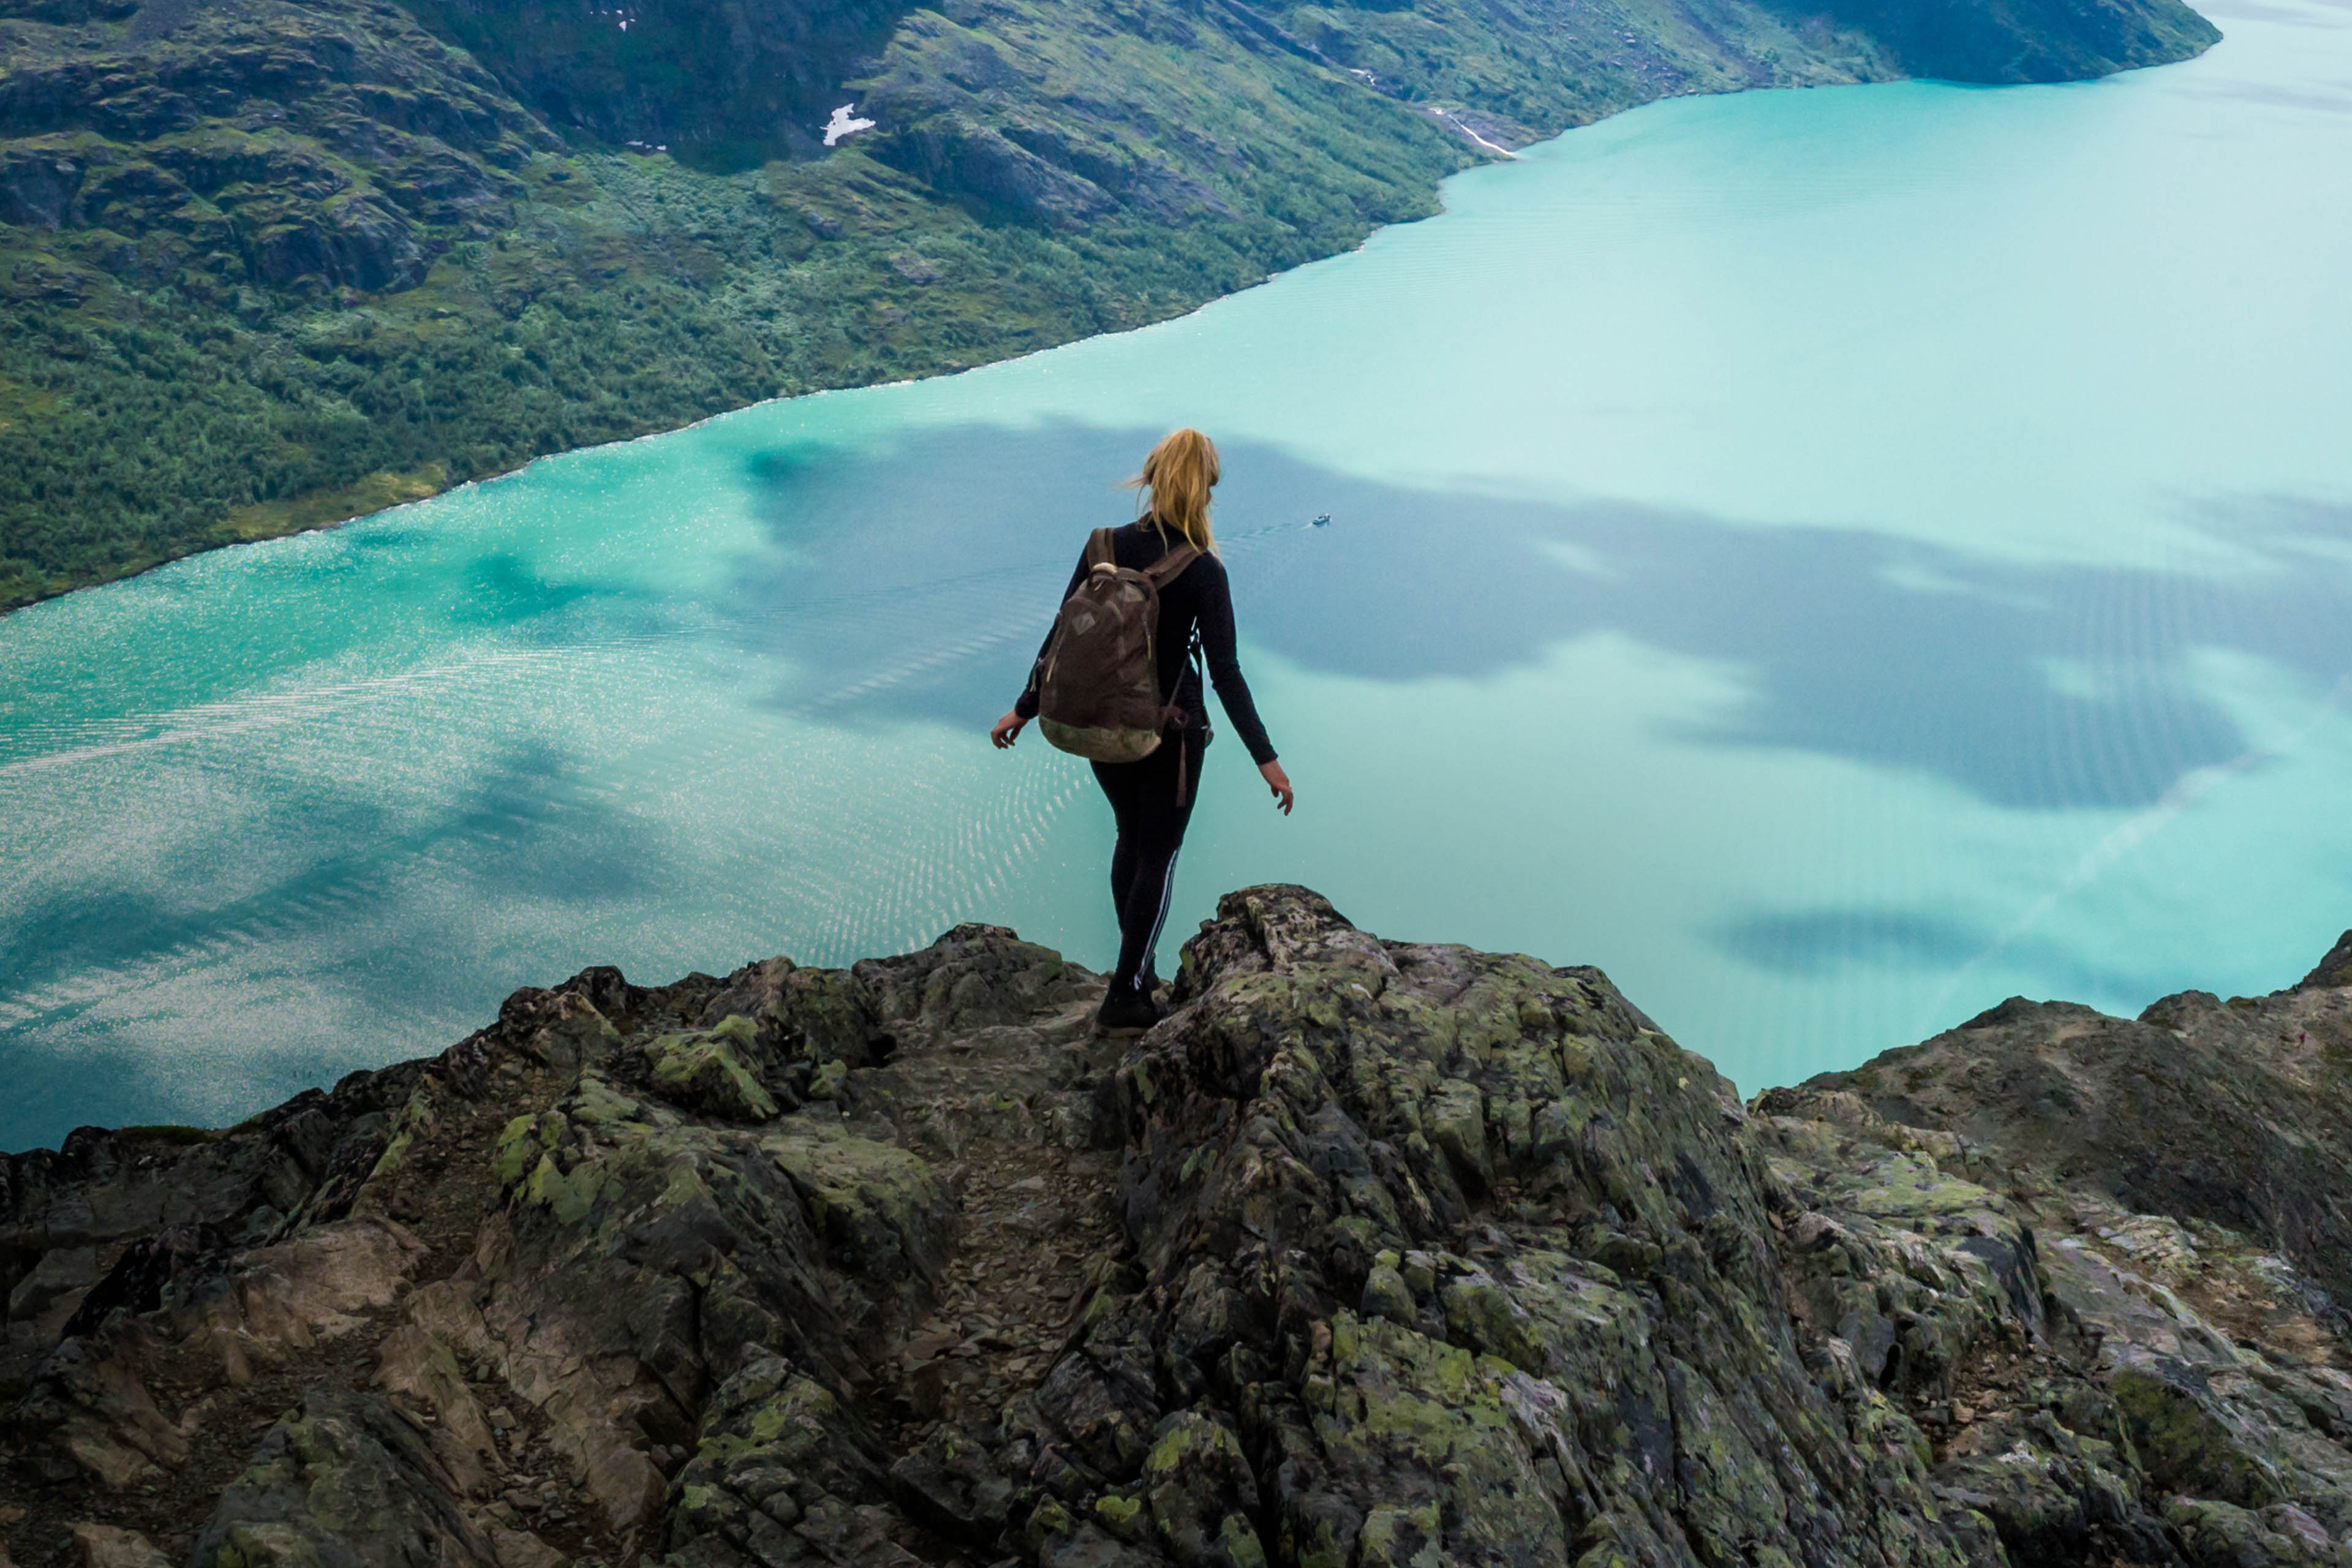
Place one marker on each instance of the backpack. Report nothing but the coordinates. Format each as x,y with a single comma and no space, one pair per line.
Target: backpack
1098,678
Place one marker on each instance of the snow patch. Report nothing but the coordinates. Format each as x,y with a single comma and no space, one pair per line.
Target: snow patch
845,123
1450,118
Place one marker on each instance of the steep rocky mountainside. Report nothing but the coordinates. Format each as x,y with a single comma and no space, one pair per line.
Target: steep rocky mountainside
1370,1253
268,264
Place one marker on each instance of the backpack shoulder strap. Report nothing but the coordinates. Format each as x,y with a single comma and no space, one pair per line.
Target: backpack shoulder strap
1099,551
1171,566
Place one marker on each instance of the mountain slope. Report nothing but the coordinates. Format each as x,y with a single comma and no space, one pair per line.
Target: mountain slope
268,265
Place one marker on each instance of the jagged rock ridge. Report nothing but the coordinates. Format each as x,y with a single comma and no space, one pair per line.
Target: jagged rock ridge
1372,1253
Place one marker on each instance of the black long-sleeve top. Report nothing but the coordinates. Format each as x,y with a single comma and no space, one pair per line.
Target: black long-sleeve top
1199,596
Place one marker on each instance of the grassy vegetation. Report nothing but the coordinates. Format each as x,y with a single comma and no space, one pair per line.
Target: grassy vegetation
267,266
142,423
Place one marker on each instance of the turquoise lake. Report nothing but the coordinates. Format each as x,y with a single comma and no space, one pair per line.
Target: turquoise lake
1832,559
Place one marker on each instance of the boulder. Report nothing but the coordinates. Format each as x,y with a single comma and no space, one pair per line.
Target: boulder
348,1479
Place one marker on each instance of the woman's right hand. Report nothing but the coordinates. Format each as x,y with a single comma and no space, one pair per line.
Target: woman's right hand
1007,728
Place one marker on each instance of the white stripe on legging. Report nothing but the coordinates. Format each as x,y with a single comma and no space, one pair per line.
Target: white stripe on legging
1167,889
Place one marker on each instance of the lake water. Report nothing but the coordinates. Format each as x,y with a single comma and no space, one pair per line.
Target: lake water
1832,559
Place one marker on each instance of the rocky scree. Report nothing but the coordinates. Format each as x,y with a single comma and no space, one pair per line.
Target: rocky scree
1371,1252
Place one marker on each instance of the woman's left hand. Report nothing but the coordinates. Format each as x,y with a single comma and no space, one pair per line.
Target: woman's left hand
1007,728
1279,782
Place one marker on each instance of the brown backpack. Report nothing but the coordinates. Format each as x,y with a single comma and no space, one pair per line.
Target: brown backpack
1099,680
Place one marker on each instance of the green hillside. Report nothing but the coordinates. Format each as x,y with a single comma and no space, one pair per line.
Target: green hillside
268,265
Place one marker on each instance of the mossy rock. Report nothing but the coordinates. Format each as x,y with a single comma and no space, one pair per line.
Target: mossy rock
1202,1494
880,1208
2182,1446
711,1071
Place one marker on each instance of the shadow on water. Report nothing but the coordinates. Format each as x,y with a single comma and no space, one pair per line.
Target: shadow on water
368,944
518,828
914,581
1820,944
501,590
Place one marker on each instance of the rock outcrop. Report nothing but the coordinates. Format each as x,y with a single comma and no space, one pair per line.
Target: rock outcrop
1370,1253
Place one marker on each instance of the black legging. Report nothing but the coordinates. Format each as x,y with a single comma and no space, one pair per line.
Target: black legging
1150,831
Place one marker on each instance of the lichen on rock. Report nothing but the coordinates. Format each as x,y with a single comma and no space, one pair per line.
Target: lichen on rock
706,1071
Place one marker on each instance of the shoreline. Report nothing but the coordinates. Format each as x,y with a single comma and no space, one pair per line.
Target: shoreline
385,490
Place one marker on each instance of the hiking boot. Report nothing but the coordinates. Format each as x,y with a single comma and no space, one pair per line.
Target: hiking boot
1127,1009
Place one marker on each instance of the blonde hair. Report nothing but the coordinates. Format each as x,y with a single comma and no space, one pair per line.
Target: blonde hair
1176,481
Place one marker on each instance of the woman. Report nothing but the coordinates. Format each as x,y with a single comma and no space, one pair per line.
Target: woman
1146,796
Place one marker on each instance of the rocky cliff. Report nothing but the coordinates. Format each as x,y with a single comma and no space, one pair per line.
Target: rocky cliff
1372,1254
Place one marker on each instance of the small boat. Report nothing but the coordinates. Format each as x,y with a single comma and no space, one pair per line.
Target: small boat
1322,519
